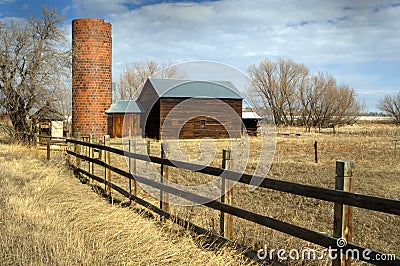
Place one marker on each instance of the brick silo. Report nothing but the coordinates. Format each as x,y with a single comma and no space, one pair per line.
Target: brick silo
91,75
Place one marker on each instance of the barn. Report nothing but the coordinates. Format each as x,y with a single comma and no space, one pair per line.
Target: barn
171,108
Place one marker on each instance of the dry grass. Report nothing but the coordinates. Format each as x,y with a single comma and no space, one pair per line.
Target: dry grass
47,217
377,173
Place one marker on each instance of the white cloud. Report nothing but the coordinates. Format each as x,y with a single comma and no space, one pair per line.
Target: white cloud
308,32
98,8
16,20
241,33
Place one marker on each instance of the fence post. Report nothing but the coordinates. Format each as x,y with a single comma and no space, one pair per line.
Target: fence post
148,147
343,214
48,149
316,151
226,219
107,159
91,155
132,169
35,140
77,136
164,196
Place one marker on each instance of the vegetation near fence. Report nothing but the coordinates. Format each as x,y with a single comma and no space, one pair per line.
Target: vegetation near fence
47,217
341,199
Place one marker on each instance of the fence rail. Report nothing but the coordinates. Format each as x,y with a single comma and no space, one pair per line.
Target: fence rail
389,206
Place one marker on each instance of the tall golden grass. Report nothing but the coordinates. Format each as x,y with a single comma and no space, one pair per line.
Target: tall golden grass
78,222
377,173
47,217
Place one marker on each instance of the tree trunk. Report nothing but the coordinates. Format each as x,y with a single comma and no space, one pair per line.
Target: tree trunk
20,124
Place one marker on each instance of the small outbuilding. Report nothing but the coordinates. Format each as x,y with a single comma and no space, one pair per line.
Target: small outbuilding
251,122
171,108
48,122
124,115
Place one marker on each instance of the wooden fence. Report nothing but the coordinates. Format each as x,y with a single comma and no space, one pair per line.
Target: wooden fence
343,200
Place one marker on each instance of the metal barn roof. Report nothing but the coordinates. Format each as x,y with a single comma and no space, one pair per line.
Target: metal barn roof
171,88
125,106
250,115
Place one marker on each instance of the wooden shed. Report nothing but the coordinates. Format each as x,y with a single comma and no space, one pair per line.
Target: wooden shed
251,122
124,119
48,122
190,109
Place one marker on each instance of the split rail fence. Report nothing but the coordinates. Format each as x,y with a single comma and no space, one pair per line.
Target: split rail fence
343,200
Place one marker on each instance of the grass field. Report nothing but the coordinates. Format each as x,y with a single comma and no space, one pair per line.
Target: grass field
377,173
47,217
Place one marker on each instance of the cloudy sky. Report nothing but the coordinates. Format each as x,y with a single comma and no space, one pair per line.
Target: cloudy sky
357,41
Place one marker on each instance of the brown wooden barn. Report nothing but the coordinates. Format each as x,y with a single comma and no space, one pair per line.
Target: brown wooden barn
171,108
124,119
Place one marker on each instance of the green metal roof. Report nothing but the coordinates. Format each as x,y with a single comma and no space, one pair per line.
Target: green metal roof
171,88
125,106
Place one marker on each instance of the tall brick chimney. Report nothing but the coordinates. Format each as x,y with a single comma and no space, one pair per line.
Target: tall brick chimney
91,75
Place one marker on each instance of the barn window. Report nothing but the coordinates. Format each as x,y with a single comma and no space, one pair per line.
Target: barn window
202,123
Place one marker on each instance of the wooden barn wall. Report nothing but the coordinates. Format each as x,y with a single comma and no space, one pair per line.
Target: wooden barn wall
251,126
212,128
132,125
152,122
147,97
150,119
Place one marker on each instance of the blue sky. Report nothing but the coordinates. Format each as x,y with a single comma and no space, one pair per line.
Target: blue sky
357,41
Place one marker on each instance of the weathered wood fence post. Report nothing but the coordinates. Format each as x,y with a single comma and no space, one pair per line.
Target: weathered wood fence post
107,160
226,219
164,196
148,147
48,145
132,169
316,151
77,136
343,214
91,156
35,140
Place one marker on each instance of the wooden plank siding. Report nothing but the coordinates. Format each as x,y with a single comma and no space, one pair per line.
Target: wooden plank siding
152,127
150,119
131,122
205,125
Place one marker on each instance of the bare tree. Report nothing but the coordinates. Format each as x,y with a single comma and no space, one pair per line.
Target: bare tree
347,109
390,104
277,84
61,98
133,77
324,104
32,56
296,97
